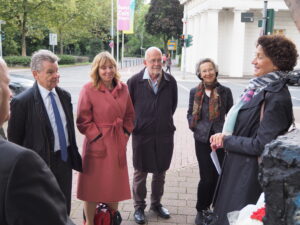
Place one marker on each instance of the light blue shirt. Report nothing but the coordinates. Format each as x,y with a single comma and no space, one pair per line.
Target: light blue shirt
47,102
154,84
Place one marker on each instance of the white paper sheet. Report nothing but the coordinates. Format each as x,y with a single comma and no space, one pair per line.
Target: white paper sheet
215,160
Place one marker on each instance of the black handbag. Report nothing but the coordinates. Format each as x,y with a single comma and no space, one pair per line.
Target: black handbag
106,216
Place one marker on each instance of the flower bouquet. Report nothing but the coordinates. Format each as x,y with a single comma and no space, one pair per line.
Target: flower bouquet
249,215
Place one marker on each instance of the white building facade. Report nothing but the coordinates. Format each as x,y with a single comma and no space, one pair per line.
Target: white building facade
218,32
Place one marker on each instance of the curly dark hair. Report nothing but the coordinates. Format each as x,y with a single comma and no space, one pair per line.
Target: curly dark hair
281,50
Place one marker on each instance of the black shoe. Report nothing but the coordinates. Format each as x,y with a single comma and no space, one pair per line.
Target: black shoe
200,219
139,216
161,211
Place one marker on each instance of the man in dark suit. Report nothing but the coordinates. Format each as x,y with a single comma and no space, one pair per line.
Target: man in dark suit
154,96
42,120
29,193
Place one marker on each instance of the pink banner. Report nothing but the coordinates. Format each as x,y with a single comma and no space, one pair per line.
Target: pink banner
123,15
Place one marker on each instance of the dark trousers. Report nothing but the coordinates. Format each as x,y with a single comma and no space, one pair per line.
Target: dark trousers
208,175
63,174
139,188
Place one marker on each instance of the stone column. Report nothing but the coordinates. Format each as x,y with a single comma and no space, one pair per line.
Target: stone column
237,46
211,35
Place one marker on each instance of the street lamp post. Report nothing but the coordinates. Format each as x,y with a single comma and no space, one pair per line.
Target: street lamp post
112,28
1,22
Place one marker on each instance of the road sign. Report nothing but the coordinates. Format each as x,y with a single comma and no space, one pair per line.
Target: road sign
247,17
172,45
52,39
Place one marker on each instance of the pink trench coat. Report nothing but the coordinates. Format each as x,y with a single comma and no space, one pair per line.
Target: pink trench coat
105,173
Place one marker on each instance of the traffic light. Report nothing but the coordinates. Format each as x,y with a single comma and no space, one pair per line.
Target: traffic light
2,35
270,21
182,41
189,40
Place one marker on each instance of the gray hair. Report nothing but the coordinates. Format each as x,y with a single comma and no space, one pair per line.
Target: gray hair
205,60
39,57
152,49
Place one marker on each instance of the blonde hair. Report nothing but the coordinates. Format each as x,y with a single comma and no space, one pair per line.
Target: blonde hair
100,60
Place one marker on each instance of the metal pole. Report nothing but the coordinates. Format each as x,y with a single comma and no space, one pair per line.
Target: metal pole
0,40
118,47
184,49
122,59
1,22
112,26
264,21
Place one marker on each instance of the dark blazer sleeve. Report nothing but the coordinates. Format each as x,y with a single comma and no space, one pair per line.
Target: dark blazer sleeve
276,120
33,195
131,89
175,96
229,99
16,123
190,109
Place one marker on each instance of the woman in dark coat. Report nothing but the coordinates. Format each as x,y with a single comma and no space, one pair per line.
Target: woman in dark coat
209,103
249,126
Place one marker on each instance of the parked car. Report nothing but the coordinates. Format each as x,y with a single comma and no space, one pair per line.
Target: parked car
294,77
19,83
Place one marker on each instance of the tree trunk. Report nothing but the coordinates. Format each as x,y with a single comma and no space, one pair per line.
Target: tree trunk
165,38
294,6
24,28
61,44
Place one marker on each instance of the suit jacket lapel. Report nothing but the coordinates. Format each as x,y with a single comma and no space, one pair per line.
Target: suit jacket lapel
41,110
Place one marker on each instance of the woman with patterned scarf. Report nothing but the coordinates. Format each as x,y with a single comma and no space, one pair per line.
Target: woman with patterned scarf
249,126
209,103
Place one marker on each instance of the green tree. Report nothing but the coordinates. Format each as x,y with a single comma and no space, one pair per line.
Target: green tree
164,18
72,23
141,39
26,15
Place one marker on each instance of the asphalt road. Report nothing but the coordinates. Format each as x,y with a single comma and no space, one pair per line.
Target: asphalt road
73,78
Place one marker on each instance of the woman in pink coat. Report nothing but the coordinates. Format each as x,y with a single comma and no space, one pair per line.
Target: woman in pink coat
105,116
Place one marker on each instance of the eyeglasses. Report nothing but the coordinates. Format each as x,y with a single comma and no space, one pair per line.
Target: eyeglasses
152,61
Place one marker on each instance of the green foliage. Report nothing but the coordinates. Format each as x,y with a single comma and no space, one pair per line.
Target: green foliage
164,18
66,59
141,39
17,60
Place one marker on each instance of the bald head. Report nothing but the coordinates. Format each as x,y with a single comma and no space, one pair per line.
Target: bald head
153,62
4,92
150,50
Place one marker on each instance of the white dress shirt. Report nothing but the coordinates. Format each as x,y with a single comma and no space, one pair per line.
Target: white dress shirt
47,102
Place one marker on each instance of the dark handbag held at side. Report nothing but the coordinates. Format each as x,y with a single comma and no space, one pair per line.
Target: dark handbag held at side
106,216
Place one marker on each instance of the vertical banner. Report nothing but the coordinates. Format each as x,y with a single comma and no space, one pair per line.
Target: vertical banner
123,15
132,7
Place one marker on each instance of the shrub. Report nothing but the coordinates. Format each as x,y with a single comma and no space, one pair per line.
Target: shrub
81,59
66,59
17,60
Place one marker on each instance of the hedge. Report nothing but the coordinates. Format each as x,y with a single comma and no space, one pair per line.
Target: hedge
17,60
25,60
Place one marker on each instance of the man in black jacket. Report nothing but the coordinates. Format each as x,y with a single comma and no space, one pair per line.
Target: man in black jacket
29,193
154,96
42,120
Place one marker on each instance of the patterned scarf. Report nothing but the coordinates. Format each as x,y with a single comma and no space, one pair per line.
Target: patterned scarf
255,86
213,106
